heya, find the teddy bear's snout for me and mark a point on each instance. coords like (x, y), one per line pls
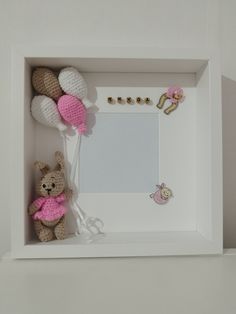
(48, 187)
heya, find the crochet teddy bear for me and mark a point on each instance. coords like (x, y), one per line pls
(48, 211)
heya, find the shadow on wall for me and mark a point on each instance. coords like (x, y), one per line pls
(229, 160)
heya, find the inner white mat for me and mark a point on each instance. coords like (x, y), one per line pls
(121, 155)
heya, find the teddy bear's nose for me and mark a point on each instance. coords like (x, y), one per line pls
(48, 191)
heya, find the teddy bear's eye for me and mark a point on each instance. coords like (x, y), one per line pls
(53, 185)
(44, 185)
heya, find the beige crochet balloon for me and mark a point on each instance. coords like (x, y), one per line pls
(46, 83)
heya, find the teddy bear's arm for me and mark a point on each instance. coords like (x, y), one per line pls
(64, 196)
(32, 209)
(61, 198)
(68, 194)
(36, 205)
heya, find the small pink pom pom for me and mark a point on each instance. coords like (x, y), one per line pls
(73, 111)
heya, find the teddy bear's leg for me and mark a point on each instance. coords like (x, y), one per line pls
(44, 234)
(60, 229)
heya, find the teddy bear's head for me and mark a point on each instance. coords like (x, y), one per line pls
(52, 182)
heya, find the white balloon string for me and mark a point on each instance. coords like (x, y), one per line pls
(75, 161)
(92, 225)
(71, 201)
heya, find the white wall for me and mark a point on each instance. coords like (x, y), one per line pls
(169, 23)
(228, 53)
(228, 38)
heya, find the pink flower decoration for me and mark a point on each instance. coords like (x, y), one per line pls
(175, 94)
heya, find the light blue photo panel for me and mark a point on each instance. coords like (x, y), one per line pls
(121, 154)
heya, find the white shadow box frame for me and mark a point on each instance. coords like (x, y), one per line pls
(188, 153)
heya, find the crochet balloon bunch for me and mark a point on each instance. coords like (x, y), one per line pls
(61, 100)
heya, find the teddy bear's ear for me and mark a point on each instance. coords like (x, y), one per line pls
(60, 161)
(44, 168)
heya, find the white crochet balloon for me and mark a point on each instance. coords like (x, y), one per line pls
(45, 111)
(73, 83)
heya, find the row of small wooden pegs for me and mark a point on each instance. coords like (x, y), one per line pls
(129, 100)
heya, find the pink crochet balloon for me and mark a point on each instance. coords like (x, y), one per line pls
(73, 111)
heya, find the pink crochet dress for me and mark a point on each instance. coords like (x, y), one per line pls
(50, 206)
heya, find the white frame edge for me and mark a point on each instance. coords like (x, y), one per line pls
(19, 249)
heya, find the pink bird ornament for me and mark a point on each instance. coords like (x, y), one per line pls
(162, 195)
